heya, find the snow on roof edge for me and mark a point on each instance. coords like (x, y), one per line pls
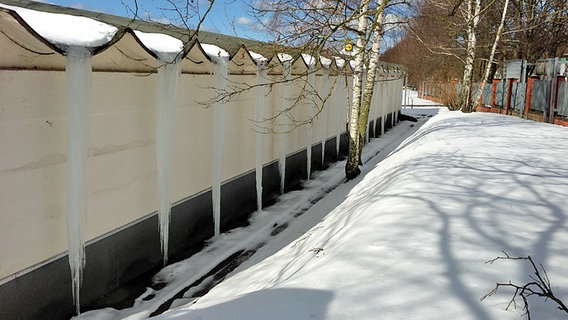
(166, 47)
(102, 35)
(259, 59)
(66, 31)
(215, 52)
(284, 57)
(309, 60)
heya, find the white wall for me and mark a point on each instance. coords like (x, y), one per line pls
(121, 182)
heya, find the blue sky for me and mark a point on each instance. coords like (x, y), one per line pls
(227, 16)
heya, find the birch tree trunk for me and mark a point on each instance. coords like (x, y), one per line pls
(377, 29)
(492, 54)
(472, 14)
(352, 166)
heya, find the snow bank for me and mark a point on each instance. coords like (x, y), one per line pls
(180, 275)
(410, 240)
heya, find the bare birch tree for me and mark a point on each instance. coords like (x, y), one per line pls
(492, 54)
(363, 95)
(355, 140)
(377, 31)
(530, 30)
(473, 9)
(318, 28)
(537, 29)
(453, 35)
(322, 28)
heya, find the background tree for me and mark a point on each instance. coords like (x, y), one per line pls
(428, 50)
(488, 68)
(376, 33)
(471, 15)
(353, 159)
(438, 38)
(538, 29)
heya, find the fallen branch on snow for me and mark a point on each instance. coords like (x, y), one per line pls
(540, 287)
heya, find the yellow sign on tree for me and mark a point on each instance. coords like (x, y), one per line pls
(349, 47)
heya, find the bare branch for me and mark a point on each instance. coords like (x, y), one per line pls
(540, 287)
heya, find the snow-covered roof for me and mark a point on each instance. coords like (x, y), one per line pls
(284, 57)
(326, 62)
(65, 30)
(309, 60)
(215, 52)
(164, 46)
(258, 58)
(35, 35)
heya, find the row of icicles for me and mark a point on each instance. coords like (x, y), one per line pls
(79, 81)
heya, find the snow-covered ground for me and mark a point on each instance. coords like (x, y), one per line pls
(408, 239)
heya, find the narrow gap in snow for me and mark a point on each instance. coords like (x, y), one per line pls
(201, 286)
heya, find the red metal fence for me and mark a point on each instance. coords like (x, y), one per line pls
(536, 98)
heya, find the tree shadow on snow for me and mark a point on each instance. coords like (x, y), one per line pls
(497, 199)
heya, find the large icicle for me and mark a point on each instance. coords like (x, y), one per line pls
(283, 136)
(259, 115)
(311, 111)
(79, 101)
(169, 52)
(220, 72)
(325, 114)
(168, 73)
(340, 91)
(77, 37)
(383, 103)
(375, 104)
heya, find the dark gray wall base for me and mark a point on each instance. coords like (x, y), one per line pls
(371, 129)
(344, 146)
(295, 171)
(123, 262)
(330, 152)
(388, 121)
(378, 126)
(25, 297)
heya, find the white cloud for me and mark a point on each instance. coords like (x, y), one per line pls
(244, 21)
